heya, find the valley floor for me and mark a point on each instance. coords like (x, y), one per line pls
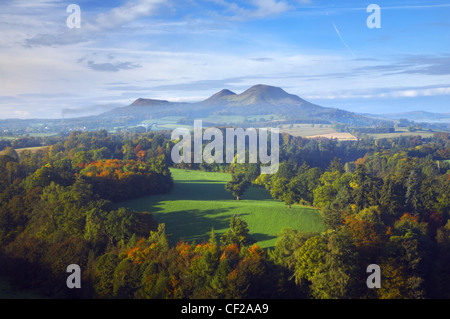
(199, 203)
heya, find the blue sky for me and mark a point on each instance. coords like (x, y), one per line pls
(187, 50)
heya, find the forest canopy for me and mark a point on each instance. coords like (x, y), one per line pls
(384, 202)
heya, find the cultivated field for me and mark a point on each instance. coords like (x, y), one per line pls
(199, 202)
(315, 130)
(31, 149)
(398, 133)
(336, 135)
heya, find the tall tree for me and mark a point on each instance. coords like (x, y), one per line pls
(413, 193)
(238, 185)
(337, 278)
(238, 233)
(336, 166)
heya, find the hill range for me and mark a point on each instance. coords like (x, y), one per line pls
(259, 100)
(260, 105)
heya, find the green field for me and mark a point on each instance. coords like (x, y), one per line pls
(199, 202)
(402, 131)
(171, 122)
(224, 119)
(7, 138)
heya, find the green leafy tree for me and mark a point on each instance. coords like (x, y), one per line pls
(365, 188)
(332, 188)
(43, 177)
(103, 282)
(443, 197)
(214, 243)
(333, 217)
(287, 247)
(238, 185)
(290, 192)
(391, 197)
(238, 233)
(101, 154)
(80, 158)
(126, 279)
(409, 248)
(412, 196)
(11, 153)
(336, 166)
(310, 258)
(279, 188)
(338, 276)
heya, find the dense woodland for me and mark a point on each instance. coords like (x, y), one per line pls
(384, 202)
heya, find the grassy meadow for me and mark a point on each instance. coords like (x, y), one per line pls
(199, 202)
(402, 131)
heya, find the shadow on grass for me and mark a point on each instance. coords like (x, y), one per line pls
(195, 225)
(198, 191)
(207, 190)
(259, 237)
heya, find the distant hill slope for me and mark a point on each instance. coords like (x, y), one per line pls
(260, 105)
(257, 100)
(419, 116)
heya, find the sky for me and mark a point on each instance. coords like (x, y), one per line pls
(187, 50)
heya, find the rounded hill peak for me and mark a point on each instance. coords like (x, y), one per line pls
(219, 97)
(268, 93)
(224, 92)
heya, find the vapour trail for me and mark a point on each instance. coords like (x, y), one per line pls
(342, 39)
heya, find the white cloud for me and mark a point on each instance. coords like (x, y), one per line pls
(256, 9)
(383, 93)
(422, 92)
(269, 8)
(41, 4)
(58, 34)
(126, 13)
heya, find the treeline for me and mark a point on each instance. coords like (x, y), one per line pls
(320, 152)
(151, 268)
(118, 180)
